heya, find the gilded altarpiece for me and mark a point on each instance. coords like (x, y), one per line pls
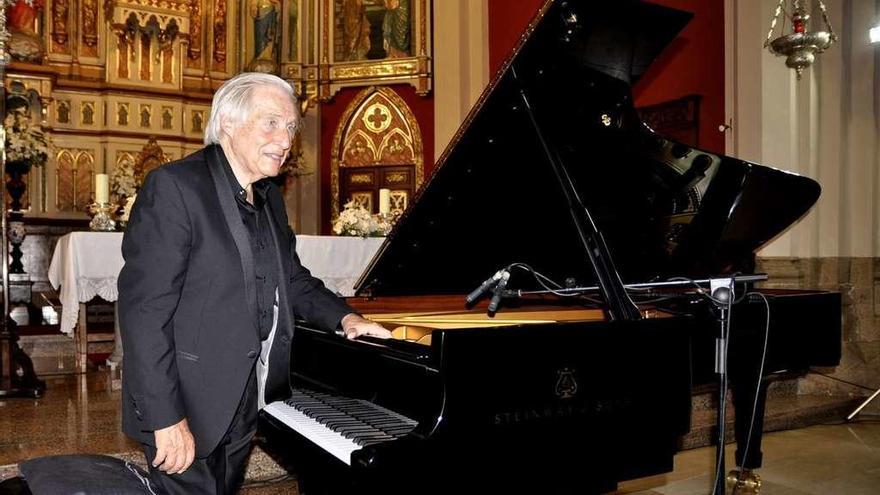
(115, 72)
(377, 145)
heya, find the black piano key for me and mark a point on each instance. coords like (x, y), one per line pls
(361, 421)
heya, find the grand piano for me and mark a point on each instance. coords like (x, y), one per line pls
(567, 393)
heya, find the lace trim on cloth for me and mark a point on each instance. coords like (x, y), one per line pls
(86, 290)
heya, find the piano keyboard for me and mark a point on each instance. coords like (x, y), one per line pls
(339, 425)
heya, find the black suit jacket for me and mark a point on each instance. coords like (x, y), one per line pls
(187, 302)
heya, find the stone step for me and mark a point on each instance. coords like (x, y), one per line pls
(783, 412)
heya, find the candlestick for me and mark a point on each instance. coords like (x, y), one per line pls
(102, 188)
(384, 201)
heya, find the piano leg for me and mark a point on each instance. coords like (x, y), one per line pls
(749, 392)
(747, 386)
(748, 448)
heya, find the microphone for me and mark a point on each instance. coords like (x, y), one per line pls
(479, 291)
(497, 292)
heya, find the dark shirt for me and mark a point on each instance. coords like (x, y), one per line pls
(256, 221)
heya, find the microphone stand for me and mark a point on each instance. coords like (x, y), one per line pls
(722, 297)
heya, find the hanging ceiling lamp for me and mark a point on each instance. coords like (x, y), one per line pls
(801, 46)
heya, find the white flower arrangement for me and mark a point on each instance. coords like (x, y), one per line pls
(25, 141)
(356, 221)
(123, 181)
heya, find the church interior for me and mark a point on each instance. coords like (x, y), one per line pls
(390, 92)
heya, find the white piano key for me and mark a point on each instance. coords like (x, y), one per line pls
(332, 442)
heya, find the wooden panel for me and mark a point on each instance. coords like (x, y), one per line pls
(678, 120)
(362, 184)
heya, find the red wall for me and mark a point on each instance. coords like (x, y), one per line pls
(692, 64)
(331, 113)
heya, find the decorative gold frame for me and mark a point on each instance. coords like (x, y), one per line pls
(150, 157)
(342, 126)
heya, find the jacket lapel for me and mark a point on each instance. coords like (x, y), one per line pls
(279, 357)
(236, 227)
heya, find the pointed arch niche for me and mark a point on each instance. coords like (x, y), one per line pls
(377, 144)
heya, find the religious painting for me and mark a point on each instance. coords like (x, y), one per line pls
(372, 29)
(292, 30)
(367, 42)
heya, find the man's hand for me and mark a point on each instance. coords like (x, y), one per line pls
(354, 326)
(175, 448)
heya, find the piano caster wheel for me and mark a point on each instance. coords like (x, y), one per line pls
(745, 482)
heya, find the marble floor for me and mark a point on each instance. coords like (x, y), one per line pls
(79, 413)
(836, 459)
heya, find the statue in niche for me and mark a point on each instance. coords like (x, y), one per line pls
(25, 43)
(266, 15)
(63, 112)
(197, 122)
(167, 118)
(145, 117)
(122, 115)
(88, 114)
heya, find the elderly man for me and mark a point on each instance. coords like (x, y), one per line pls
(209, 290)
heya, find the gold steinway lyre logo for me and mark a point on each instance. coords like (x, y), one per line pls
(566, 384)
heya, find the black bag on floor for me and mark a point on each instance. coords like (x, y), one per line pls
(86, 475)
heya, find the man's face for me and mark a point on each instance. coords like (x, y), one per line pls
(260, 143)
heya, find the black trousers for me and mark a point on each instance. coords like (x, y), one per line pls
(222, 471)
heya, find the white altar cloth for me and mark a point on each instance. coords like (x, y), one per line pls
(87, 264)
(337, 261)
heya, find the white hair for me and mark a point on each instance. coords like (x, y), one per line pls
(233, 100)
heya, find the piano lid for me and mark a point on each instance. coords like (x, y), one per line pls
(665, 209)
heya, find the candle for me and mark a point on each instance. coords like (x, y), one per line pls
(384, 201)
(102, 188)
